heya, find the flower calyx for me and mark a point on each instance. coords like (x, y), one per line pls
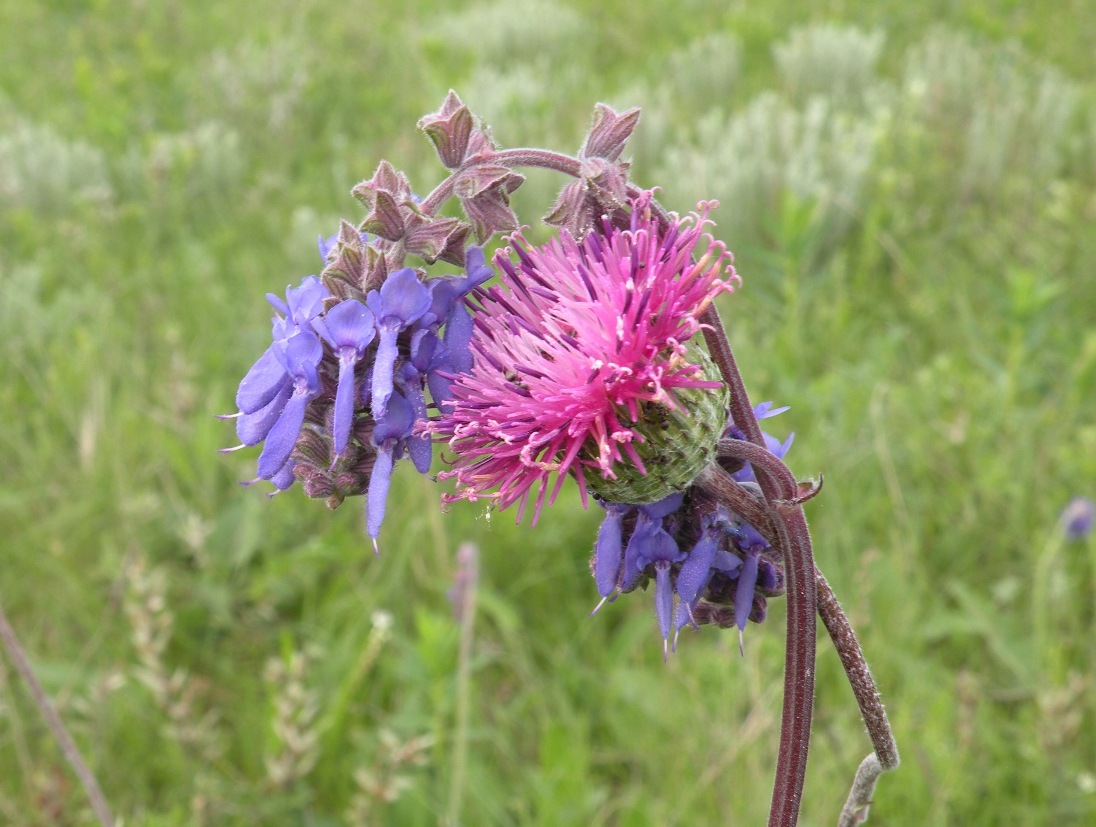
(394, 217)
(484, 191)
(455, 132)
(602, 186)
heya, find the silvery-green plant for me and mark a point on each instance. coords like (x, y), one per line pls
(754, 157)
(43, 171)
(837, 62)
(1015, 119)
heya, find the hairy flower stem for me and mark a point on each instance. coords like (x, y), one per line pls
(837, 625)
(49, 714)
(852, 658)
(795, 543)
(511, 158)
(885, 757)
(789, 530)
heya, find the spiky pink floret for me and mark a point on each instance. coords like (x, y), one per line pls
(568, 346)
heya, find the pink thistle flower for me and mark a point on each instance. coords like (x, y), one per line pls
(582, 344)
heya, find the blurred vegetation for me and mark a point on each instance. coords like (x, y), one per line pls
(910, 190)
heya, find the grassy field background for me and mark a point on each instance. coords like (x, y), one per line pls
(910, 190)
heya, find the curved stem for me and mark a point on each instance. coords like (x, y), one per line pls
(543, 158)
(524, 157)
(717, 483)
(795, 544)
(759, 456)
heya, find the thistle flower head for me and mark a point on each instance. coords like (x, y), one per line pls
(583, 365)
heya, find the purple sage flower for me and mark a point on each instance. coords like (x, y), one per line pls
(720, 573)
(1078, 517)
(348, 327)
(401, 301)
(300, 357)
(340, 395)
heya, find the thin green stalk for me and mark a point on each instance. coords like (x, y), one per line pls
(464, 605)
(53, 720)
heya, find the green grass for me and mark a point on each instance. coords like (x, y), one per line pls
(912, 221)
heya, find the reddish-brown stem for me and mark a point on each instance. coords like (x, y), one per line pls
(721, 486)
(512, 158)
(795, 543)
(760, 457)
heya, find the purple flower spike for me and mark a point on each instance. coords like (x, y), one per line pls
(400, 302)
(390, 430)
(303, 352)
(389, 345)
(349, 328)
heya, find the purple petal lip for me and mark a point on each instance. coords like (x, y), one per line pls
(262, 382)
